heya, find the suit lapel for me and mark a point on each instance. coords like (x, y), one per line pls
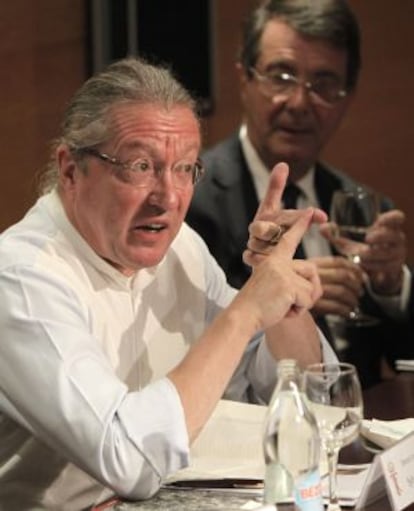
(237, 192)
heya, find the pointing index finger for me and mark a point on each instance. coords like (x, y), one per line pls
(270, 205)
(293, 236)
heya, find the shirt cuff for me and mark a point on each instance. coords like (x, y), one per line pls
(155, 422)
(263, 368)
(395, 306)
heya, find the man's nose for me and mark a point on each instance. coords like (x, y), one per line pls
(297, 96)
(164, 189)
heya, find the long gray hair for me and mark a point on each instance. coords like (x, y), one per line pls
(87, 123)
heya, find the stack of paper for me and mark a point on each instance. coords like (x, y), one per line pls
(386, 433)
(228, 456)
(404, 365)
(229, 446)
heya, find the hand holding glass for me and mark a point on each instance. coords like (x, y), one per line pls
(334, 395)
(353, 212)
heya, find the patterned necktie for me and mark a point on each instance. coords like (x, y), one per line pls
(289, 198)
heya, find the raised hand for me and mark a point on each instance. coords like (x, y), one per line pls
(342, 285)
(271, 221)
(386, 254)
(280, 286)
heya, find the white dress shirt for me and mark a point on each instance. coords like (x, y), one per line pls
(85, 407)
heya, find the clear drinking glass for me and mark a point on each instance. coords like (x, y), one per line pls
(353, 212)
(334, 395)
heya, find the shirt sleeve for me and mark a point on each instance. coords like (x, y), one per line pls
(396, 306)
(56, 382)
(255, 377)
(261, 369)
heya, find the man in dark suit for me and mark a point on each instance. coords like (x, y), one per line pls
(298, 69)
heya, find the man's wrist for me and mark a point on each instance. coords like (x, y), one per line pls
(395, 305)
(386, 286)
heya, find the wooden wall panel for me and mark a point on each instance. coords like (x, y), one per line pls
(226, 39)
(375, 141)
(43, 56)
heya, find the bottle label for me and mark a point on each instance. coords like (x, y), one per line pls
(308, 492)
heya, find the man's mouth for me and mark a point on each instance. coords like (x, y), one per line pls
(294, 130)
(151, 227)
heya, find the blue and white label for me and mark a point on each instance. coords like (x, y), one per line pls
(308, 492)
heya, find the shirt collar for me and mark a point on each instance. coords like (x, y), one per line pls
(260, 173)
(81, 245)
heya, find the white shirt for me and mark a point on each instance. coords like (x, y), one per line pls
(314, 244)
(84, 401)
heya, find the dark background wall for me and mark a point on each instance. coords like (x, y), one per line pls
(44, 59)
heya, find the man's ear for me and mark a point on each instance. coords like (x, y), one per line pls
(343, 106)
(241, 74)
(66, 165)
(349, 98)
(242, 78)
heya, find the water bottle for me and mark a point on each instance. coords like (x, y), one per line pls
(291, 445)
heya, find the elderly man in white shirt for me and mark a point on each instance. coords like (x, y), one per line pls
(119, 332)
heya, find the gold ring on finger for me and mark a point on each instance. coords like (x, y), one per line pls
(274, 240)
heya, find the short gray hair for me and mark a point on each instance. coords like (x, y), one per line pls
(329, 20)
(86, 121)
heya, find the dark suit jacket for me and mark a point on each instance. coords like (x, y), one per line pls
(223, 206)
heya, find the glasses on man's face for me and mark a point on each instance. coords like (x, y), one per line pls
(325, 90)
(143, 172)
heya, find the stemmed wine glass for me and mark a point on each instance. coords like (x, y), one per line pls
(353, 212)
(334, 395)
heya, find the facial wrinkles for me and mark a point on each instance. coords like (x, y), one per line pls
(306, 125)
(306, 55)
(162, 148)
(162, 134)
(167, 134)
(169, 141)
